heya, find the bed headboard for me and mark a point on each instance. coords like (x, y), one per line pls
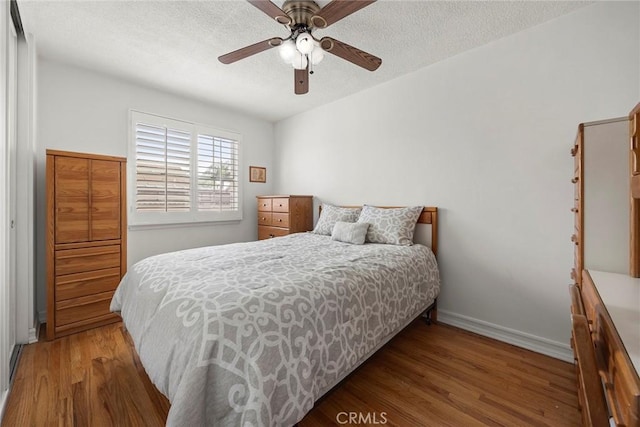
(424, 234)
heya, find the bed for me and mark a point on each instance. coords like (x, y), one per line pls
(254, 333)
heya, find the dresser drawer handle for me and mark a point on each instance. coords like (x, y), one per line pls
(264, 219)
(574, 180)
(574, 151)
(574, 239)
(574, 210)
(280, 220)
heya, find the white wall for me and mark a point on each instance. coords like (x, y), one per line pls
(85, 111)
(485, 136)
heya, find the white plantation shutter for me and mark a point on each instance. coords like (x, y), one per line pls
(217, 174)
(182, 172)
(163, 164)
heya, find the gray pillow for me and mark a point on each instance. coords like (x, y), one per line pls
(390, 225)
(350, 232)
(332, 214)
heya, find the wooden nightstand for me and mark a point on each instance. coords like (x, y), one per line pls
(282, 215)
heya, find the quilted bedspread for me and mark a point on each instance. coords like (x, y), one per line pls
(251, 334)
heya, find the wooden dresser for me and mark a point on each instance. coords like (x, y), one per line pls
(282, 215)
(605, 298)
(86, 239)
(612, 308)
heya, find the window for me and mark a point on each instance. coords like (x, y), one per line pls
(181, 172)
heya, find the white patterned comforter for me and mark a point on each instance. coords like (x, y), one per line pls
(251, 334)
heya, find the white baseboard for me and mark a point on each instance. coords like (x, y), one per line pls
(531, 342)
(3, 402)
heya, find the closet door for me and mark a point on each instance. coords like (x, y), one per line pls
(8, 104)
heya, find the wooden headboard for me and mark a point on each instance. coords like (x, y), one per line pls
(429, 216)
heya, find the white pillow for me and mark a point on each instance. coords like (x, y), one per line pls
(332, 214)
(390, 225)
(350, 232)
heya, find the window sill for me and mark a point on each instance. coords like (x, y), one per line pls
(141, 227)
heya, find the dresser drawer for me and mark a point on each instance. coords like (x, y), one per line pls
(79, 309)
(265, 232)
(264, 205)
(86, 283)
(280, 220)
(70, 261)
(280, 205)
(622, 386)
(265, 218)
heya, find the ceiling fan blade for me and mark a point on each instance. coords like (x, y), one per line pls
(272, 10)
(350, 53)
(246, 51)
(336, 10)
(301, 81)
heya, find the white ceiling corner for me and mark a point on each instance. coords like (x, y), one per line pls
(183, 39)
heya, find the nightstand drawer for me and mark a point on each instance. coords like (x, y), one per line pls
(280, 205)
(264, 205)
(265, 218)
(280, 220)
(265, 232)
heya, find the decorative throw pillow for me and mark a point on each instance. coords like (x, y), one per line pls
(350, 232)
(390, 225)
(332, 214)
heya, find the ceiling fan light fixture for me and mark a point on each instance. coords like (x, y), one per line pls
(316, 56)
(305, 43)
(287, 51)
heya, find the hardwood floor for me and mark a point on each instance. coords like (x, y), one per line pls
(427, 376)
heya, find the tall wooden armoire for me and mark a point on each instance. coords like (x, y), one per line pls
(86, 239)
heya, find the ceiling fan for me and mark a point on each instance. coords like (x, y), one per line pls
(301, 48)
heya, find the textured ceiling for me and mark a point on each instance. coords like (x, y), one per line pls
(174, 45)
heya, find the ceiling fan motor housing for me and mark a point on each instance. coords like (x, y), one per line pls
(301, 12)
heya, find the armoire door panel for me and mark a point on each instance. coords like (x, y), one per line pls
(72, 199)
(105, 200)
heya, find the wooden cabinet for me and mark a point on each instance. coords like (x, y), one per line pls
(611, 307)
(86, 239)
(282, 215)
(606, 256)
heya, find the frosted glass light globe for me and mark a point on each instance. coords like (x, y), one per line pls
(287, 51)
(317, 55)
(299, 62)
(305, 43)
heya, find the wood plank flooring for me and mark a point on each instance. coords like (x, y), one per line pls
(427, 376)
